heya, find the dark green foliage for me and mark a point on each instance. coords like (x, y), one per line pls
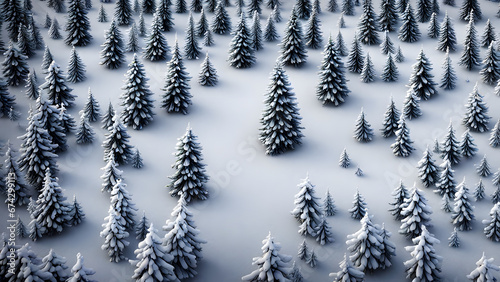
(112, 53)
(388, 17)
(409, 31)
(123, 12)
(14, 67)
(293, 50)
(390, 72)
(449, 78)
(470, 55)
(78, 25)
(356, 58)
(32, 90)
(164, 14)
(156, 45)
(76, 68)
(222, 21)
(55, 86)
(468, 8)
(176, 97)
(25, 42)
(424, 10)
(368, 25)
(421, 79)
(476, 114)
(191, 48)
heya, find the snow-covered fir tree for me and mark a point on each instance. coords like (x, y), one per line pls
(433, 28)
(48, 21)
(411, 105)
(479, 191)
(142, 227)
(191, 48)
(241, 50)
(490, 72)
(122, 204)
(76, 213)
(15, 69)
(78, 25)
(76, 68)
(110, 175)
(402, 146)
(400, 194)
(180, 6)
(399, 57)
(333, 6)
(495, 197)
(348, 7)
(492, 229)
(358, 209)
(388, 17)
(196, 6)
(307, 208)
(59, 6)
(271, 266)
(467, 146)
(123, 12)
(202, 26)
(391, 120)
(34, 30)
(208, 39)
(26, 266)
(13, 14)
(470, 9)
(495, 135)
(256, 32)
(281, 129)
(208, 74)
(50, 119)
(113, 53)
(463, 212)
(454, 240)
(332, 86)
(107, 117)
(20, 229)
(25, 42)
(55, 265)
(312, 260)
(79, 272)
(449, 77)
(366, 246)
(176, 97)
(292, 46)
(368, 72)
(66, 120)
(59, 93)
(32, 90)
(424, 10)
(470, 57)
(340, 45)
(148, 7)
(114, 235)
(303, 8)
(156, 48)
(102, 15)
(483, 169)
(14, 179)
(221, 23)
(137, 159)
(46, 59)
(428, 172)
(55, 30)
(348, 272)
(270, 31)
(303, 252)
(133, 39)
(164, 14)
(136, 99)
(425, 264)
(91, 108)
(344, 160)
(387, 46)
(363, 131)
(341, 21)
(7, 101)
(421, 79)
(388, 248)
(356, 57)
(390, 72)
(446, 184)
(435, 7)
(295, 275)
(313, 36)
(489, 35)
(152, 259)
(329, 207)
(415, 214)
(368, 25)
(409, 30)
(116, 143)
(84, 133)
(484, 270)
(190, 176)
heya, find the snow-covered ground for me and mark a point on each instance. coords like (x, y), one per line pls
(252, 193)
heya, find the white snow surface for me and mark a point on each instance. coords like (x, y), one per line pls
(252, 194)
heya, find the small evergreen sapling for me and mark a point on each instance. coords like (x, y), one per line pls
(391, 120)
(387, 46)
(415, 214)
(312, 260)
(355, 58)
(221, 23)
(191, 48)
(495, 135)
(425, 264)
(112, 53)
(348, 272)
(400, 194)
(102, 16)
(344, 161)
(84, 133)
(454, 240)
(358, 209)
(133, 39)
(303, 252)
(329, 208)
(409, 31)
(479, 191)
(484, 269)
(307, 209)
(470, 57)
(402, 146)
(467, 147)
(463, 212)
(433, 28)
(399, 57)
(366, 246)
(107, 117)
(241, 50)
(483, 169)
(208, 39)
(295, 275)
(340, 45)
(489, 35)
(77, 215)
(208, 74)
(450, 150)
(490, 72)
(492, 229)
(176, 97)
(341, 21)
(55, 30)
(495, 197)
(142, 227)
(449, 77)
(143, 30)
(390, 72)
(411, 105)
(368, 72)
(48, 21)
(363, 131)
(427, 169)
(91, 108)
(76, 68)
(324, 233)
(137, 159)
(79, 272)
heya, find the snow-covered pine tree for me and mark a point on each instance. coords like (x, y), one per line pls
(107, 117)
(116, 144)
(433, 28)
(391, 120)
(307, 208)
(91, 108)
(470, 8)
(449, 77)
(332, 86)
(272, 266)
(281, 130)
(483, 169)
(196, 6)
(489, 35)
(421, 79)
(387, 46)
(26, 267)
(348, 272)
(15, 180)
(390, 72)
(363, 131)
(76, 68)
(368, 25)
(14, 67)
(136, 98)
(50, 119)
(32, 90)
(25, 42)
(110, 175)
(221, 23)
(176, 97)
(496, 182)
(388, 248)
(241, 50)
(114, 235)
(191, 48)
(293, 50)
(123, 12)
(400, 194)
(113, 53)
(348, 7)
(358, 209)
(133, 39)
(164, 14)
(454, 240)
(303, 252)
(48, 21)
(182, 241)
(137, 159)
(13, 14)
(368, 72)
(58, 5)
(7, 101)
(340, 45)
(208, 74)
(20, 229)
(152, 259)
(312, 260)
(67, 122)
(79, 272)
(76, 214)
(51, 212)
(303, 8)
(463, 212)
(55, 265)
(435, 7)
(102, 16)
(446, 184)
(333, 6)
(156, 48)
(402, 146)
(467, 146)
(428, 172)
(490, 72)
(142, 227)
(479, 191)
(148, 6)
(56, 87)
(34, 30)
(366, 246)
(484, 269)
(495, 135)
(344, 160)
(313, 36)
(424, 10)
(470, 57)
(450, 147)
(78, 25)
(208, 39)
(329, 207)
(46, 59)
(190, 175)
(415, 214)
(399, 57)
(202, 26)
(122, 204)
(254, 6)
(84, 133)
(492, 229)
(295, 275)
(388, 17)
(409, 31)
(425, 264)
(411, 105)
(180, 6)
(355, 58)
(55, 30)
(256, 32)
(341, 21)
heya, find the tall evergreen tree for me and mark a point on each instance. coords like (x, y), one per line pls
(14, 67)
(281, 130)
(470, 8)
(122, 204)
(208, 74)
(116, 145)
(495, 135)
(176, 96)
(388, 17)
(332, 86)
(446, 184)
(136, 98)
(424, 10)
(483, 169)
(113, 53)
(164, 14)
(25, 42)
(411, 105)
(490, 72)
(270, 32)
(133, 39)
(402, 146)
(433, 28)
(358, 209)
(123, 12)
(476, 116)
(14, 15)
(32, 90)
(427, 169)
(400, 194)
(463, 211)
(156, 45)
(56, 87)
(363, 131)
(425, 264)
(78, 25)
(489, 34)
(7, 101)
(221, 23)
(241, 50)
(415, 214)
(492, 229)
(368, 25)
(368, 72)
(14, 180)
(366, 245)
(293, 50)
(479, 191)
(191, 48)
(421, 79)
(111, 175)
(46, 59)
(307, 208)
(387, 46)
(356, 57)
(470, 55)
(449, 77)
(409, 31)
(55, 30)
(114, 235)
(50, 119)
(390, 72)
(76, 68)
